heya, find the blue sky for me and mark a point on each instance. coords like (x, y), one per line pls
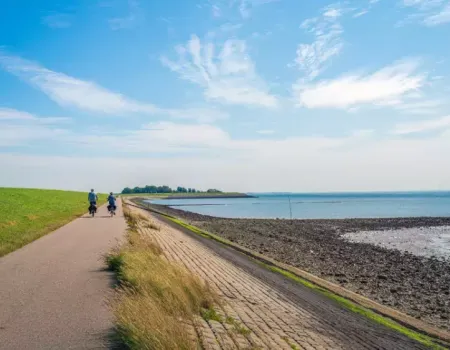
(247, 95)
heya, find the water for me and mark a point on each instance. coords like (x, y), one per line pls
(321, 205)
(424, 241)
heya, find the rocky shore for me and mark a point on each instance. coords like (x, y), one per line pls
(418, 286)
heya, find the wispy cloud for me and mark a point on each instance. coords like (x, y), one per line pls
(201, 115)
(227, 76)
(440, 17)
(422, 125)
(57, 20)
(130, 20)
(392, 85)
(158, 137)
(242, 8)
(420, 107)
(313, 58)
(361, 13)
(72, 92)
(266, 132)
(14, 115)
(428, 12)
(18, 128)
(245, 6)
(68, 91)
(365, 9)
(21, 135)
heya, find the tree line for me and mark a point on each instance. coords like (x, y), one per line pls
(165, 189)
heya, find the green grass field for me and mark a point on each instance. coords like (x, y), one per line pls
(27, 214)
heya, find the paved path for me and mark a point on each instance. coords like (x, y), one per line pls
(290, 317)
(53, 291)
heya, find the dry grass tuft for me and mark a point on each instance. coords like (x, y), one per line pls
(152, 226)
(143, 324)
(157, 298)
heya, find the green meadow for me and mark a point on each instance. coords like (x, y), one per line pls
(28, 214)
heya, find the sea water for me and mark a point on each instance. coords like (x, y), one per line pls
(320, 205)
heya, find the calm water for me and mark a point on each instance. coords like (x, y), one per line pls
(321, 206)
(425, 241)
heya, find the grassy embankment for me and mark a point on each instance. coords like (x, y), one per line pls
(428, 341)
(27, 214)
(157, 302)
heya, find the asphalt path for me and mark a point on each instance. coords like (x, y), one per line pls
(54, 291)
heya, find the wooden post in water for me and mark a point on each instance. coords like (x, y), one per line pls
(290, 206)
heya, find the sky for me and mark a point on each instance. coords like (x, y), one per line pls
(241, 95)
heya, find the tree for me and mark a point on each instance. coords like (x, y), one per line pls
(164, 189)
(126, 190)
(213, 190)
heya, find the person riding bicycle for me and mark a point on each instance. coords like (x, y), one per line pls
(112, 202)
(92, 197)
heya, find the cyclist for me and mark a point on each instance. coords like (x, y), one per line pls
(92, 197)
(112, 202)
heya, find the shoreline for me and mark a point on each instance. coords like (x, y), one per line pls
(416, 285)
(169, 196)
(213, 196)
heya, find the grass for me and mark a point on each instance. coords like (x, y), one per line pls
(211, 315)
(292, 346)
(387, 322)
(237, 326)
(28, 214)
(158, 301)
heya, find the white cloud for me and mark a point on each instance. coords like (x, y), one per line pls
(360, 13)
(392, 85)
(441, 124)
(429, 12)
(57, 20)
(313, 58)
(419, 107)
(13, 115)
(19, 128)
(440, 17)
(72, 92)
(20, 135)
(414, 164)
(228, 76)
(159, 137)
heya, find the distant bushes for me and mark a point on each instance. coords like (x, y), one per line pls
(165, 189)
